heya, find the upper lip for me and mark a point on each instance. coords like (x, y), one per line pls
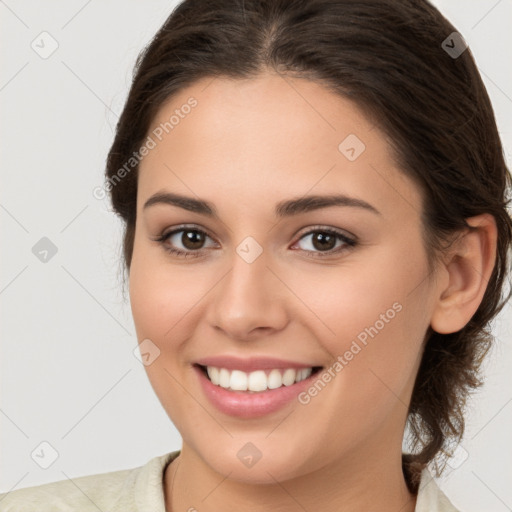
(251, 364)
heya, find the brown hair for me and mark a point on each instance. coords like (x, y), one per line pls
(387, 57)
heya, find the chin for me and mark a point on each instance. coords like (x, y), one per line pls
(237, 463)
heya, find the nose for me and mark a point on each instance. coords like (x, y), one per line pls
(250, 300)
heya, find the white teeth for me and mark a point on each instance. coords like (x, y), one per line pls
(289, 376)
(258, 380)
(224, 378)
(238, 381)
(274, 379)
(213, 373)
(306, 372)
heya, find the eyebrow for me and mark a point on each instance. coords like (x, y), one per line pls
(286, 208)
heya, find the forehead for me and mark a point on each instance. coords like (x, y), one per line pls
(267, 137)
(270, 105)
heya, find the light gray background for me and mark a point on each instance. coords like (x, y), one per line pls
(68, 373)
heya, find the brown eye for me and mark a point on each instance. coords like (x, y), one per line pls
(188, 242)
(323, 241)
(192, 239)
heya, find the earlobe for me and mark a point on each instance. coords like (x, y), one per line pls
(469, 268)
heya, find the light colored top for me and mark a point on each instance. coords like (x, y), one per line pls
(141, 490)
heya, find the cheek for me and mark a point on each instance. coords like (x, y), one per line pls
(160, 294)
(376, 347)
(371, 291)
(160, 299)
(374, 316)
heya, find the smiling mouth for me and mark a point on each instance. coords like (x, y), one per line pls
(256, 381)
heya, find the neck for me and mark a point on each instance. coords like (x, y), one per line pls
(357, 482)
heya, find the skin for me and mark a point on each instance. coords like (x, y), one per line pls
(246, 146)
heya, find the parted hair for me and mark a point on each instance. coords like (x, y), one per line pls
(390, 58)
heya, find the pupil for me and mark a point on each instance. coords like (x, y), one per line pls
(323, 241)
(192, 239)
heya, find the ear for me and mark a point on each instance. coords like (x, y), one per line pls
(467, 271)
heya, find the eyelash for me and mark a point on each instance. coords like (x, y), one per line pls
(350, 243)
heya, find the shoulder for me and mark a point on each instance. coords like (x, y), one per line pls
(430, 497)
(114, 491)
(82, 493)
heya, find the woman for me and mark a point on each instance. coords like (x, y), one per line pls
(314, 195)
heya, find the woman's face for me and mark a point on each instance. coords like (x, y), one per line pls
(273, 281)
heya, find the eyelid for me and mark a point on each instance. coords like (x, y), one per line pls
(185, 227)
(349, 240)
(307, 230)
(321, 227)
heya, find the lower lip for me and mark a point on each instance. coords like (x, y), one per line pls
(251, 405)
